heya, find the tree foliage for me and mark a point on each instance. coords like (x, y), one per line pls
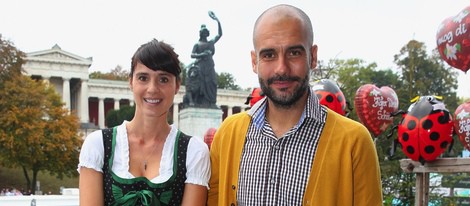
(11, 60)
(425, 75)
(36, 132)
(226, 81)
(116, 117)
(117, 73)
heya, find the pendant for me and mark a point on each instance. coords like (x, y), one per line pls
(145, 165)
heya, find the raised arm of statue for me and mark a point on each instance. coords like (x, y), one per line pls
(219, 34)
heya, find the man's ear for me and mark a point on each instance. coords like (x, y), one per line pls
(314, 58)
(254, 62)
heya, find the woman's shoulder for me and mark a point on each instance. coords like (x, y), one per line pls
(197, 146)
(94, 138)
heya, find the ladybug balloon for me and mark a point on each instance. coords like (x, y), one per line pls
(462, 124)
(426, 129)
(255, 96)
(453, 40)
(330, 95)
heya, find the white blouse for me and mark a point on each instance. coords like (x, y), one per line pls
(197, 157)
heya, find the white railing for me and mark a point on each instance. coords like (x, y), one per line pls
(69, 198)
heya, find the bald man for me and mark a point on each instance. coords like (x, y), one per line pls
(288, 149)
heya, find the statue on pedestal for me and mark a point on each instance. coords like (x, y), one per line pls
(201, 82)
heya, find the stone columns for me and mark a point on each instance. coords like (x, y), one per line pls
(101, 112)
(116, 104)
(229, 110)
(84, 116)
(66, 92)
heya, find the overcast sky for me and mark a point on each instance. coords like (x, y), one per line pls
(111, 30)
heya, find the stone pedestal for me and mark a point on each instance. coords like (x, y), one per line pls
(196, 121)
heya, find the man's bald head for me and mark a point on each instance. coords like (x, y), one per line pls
(285, 11)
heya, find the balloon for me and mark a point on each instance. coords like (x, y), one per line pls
(453, 40)
(374, 107)
(209, 136)
(426, 129)
(255, 96)
(462, 124)
(330, 95)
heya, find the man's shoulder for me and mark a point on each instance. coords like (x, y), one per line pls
(343, 122)
(237, 118)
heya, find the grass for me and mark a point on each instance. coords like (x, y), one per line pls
(13, 177)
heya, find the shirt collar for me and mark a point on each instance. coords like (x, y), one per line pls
(312, 110)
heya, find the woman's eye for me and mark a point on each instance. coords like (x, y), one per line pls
(142, 78)
(164, 79)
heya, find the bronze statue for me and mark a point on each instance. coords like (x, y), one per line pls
(201, 85)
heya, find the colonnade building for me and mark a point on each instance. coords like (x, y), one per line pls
(91, 99)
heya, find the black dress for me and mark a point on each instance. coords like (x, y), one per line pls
(139, 190)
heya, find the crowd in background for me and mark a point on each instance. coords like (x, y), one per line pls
(13, 192)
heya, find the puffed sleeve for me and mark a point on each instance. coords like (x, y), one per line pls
(92, 152)
(198, 163)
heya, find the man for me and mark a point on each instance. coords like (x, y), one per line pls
(288, 149)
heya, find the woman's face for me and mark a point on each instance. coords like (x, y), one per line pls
(154, 91)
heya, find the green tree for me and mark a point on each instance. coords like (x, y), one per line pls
(11, 60)
(118, 73)
(36, 132)
(183, 74)
(116, 117)
(425, 75)
(226, 81)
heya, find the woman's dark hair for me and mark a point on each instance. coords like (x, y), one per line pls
(157, 56)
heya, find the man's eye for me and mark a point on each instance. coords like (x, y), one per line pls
(295, 53)
(267, 55)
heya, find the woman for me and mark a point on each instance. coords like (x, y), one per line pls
(146, 161)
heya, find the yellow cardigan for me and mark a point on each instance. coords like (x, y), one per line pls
(345, 170)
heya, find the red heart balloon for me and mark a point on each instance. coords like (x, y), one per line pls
(453, 40)
(462, 124)
(374, 106)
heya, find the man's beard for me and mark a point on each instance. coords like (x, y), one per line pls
(285, 100)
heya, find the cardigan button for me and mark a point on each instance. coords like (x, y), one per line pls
(233, 204)
(233, 187)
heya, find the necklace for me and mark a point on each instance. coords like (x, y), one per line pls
(148, 156)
